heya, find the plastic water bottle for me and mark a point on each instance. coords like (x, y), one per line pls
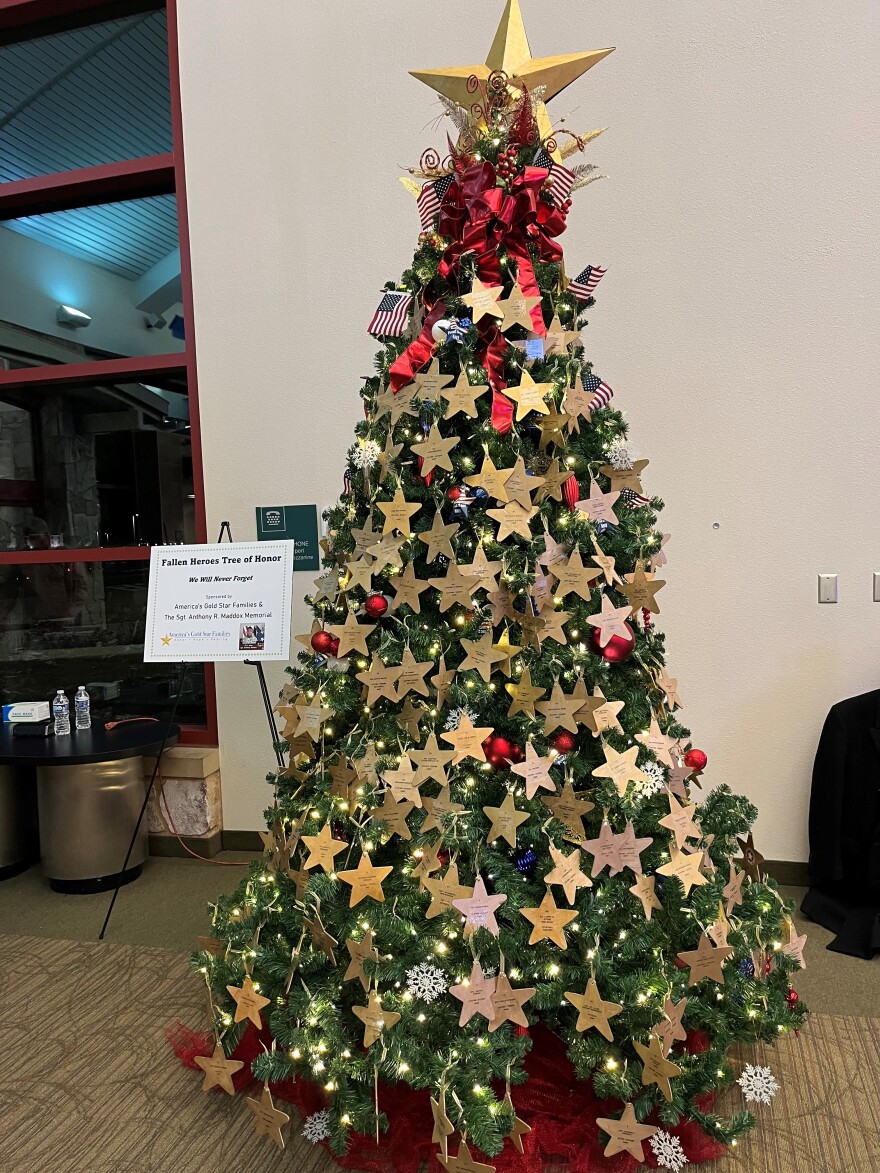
(83, 708)
(61, 712)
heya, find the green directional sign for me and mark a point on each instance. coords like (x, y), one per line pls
(296, 523)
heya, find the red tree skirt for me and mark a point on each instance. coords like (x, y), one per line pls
(561, 1111)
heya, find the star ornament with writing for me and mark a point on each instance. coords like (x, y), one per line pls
(607, 565)
(432, 761)
(548, 922)
(394, 815)
(529, 396)
(507, 1004)
(559, 710)
(655, 1067)
(621, 768)
(569, 808)
(443, 1126)
(492, 479)
(438, 538)
(408, 589)
(430, 384)
(517, 309)
(484, 571)
(575, 578)
(732, 892)
(671, 1030)
(752, 861)
(558, 338)
(657, 742)
(483, 300)
(641, 591)
(395, 405)
(794, 947)
(398, 512)
(375, 1019)
(567, 873)
(610, 621)
(513, 519)
(359, 952)
(593, 1012)
(218, 1070)
(680, 821)
(626, 1134)
(535, 771)
(523, 695)
(440, 808)
(352, 635)
(366, 881)
(644, 889)
(481, 656)
(599, 714)
(599, 506)
(411, 677)
(323, 849)
(267, 1118)
(686, 868)
(625, 478)
(443, 892)
(455, 587)
(441, 681)
(520, 485)
(505, 819)
(462, 397)
(467, 740)
(434, 451)
(248, 1002)
(475, 994)
(381, 680)
(479, 909)
(510, 53)
(706, 961)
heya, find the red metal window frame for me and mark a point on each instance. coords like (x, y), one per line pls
(129, 179)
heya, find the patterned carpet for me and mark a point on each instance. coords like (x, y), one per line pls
(88, 1084)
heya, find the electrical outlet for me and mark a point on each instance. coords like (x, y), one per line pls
(828, 588)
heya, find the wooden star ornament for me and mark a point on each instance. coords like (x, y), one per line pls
(529, 396)
(465, 1162)
(535, 771)
(359, 952)
(626, 1135)
(218, 1070)
(475, 994)
(483, 300)
(567, 873)
(434, 452)
(398, 512)
(375, 1019)
(706, 961)
(268, 1119)
(479, 909)
(644, 889)
(507, 1004)
(248, 1002)
(504, 819)
(467, 740)
(655, 1067)
(352, 635)
(548, 922)
(366, 881)
(593, 1012)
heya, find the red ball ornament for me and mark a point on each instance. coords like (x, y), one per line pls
(792, 999)
(322, 642)
(518, 755)
(454, 493)
(695, 759)
(500, 747)
(334, 648)
(617, 648)
(376, 606)
(563, 742)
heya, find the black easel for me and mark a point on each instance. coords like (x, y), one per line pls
(261, 676)
(184, 668)
(225, 528)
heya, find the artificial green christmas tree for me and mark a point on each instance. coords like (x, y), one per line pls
(486, 831)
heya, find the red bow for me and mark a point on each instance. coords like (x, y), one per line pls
(480, 217)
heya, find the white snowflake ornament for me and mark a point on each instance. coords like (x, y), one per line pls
(427, 982)
(668, 1151)
(454, 719)
(366, 454)
(758, 1084)
(620, 455)
(317, 1126)
(655, 782)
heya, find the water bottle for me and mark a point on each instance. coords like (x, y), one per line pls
(61, 712)
(83, 708)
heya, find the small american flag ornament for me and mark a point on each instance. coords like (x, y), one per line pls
(390, 318)
(601, 392)
(583, 285)
(561, 179)
(430, 198)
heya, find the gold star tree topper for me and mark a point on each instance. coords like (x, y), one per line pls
(510, 52)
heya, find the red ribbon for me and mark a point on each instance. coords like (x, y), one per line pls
(480, 217)
(502, 413)
(571, 492)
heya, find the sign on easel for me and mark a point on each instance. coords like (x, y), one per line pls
(216, 603)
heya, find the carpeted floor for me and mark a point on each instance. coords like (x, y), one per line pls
(88, 1084)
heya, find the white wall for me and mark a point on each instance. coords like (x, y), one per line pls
(737, 322)
(36, 278)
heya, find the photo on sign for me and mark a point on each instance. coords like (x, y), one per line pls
(251, 638)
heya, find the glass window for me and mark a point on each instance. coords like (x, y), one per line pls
(63, 624)
(83, 97)
(117, 264)
(95, 465)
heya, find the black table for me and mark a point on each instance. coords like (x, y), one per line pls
(90, 789)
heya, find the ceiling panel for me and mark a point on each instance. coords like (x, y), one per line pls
(126, 238)
(92, 95)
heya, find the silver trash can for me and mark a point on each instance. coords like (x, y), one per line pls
(87, 816)
(18, 820)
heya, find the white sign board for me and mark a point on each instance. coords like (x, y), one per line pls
(214, 603)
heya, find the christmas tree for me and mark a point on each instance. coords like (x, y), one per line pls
(485, 840)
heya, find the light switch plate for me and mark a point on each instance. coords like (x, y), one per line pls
(877, 586)
(828, 588)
